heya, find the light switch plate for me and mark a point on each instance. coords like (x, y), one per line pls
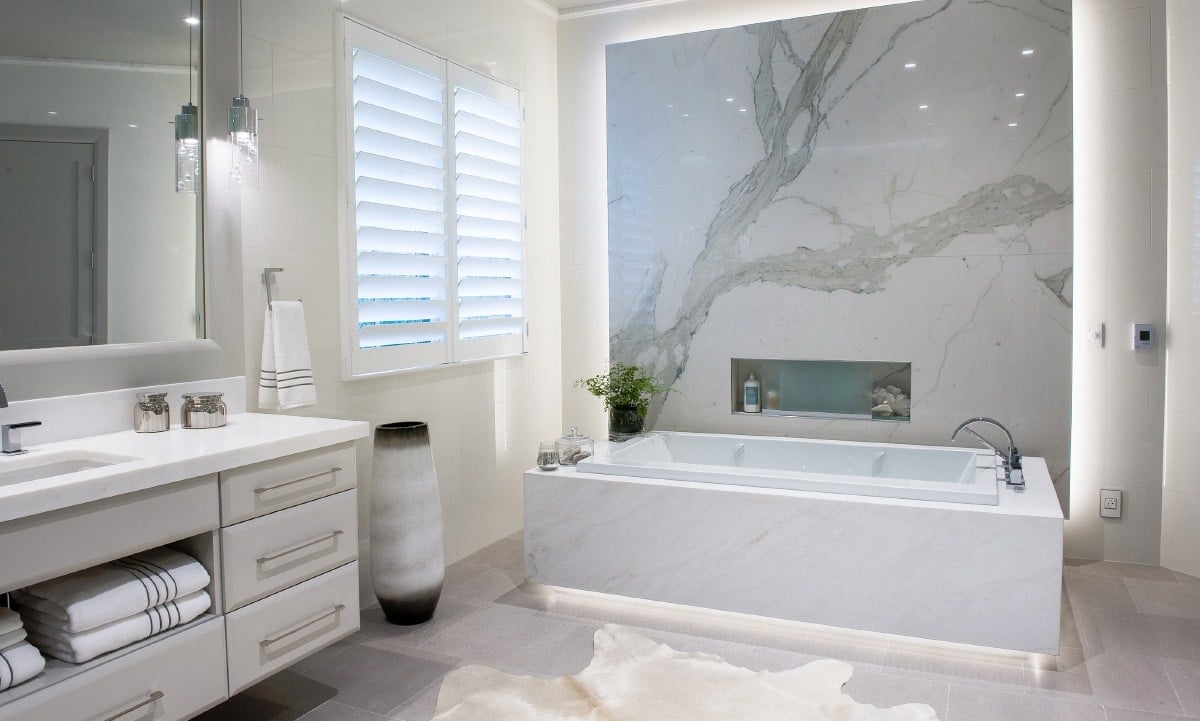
(1095, 335)
(1143, 336)
(1110, 503)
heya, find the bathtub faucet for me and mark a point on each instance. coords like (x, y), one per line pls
(1010, 458)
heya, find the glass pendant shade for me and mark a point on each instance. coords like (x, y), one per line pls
(243, 138)
(187, 149)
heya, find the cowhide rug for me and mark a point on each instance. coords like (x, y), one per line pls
(632, 678)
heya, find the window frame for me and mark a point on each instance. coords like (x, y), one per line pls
(357, 362)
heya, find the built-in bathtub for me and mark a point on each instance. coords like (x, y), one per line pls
(924, 473)
(701, 520)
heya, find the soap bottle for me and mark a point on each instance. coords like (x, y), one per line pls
(751, 403)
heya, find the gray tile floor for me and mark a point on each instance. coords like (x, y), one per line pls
(1131, 652)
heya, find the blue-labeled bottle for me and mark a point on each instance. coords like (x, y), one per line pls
(751, 395)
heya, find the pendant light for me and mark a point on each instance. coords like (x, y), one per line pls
(243, 126)
(187, 133)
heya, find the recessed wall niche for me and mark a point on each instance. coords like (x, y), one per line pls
(853, 390)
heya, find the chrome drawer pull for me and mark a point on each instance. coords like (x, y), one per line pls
(285, 484)
(303, 625)
(141, 704)
(299, 546)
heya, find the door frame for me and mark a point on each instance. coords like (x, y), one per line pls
(98, 139)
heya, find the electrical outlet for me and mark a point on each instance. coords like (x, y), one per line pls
(1110, 503)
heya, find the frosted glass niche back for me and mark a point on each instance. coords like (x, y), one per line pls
(891, 182)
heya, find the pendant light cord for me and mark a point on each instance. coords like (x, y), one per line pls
(191, 30)
(241, 61)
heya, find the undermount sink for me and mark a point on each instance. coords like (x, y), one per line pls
(34, 466)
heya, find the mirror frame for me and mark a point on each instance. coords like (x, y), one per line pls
(45, 372)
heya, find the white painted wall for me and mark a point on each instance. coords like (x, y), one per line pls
(1120, 253)
(151, 228)
(1181, 481)
(485, 419)
(1120, 268)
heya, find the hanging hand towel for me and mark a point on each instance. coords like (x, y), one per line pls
(84, 646)
(287, 377)
(103, 594)
(9, 620)
(18, 664)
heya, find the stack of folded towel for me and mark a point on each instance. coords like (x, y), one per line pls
(82, 615)
(19, 661)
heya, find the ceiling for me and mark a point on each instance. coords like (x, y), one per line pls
(149, 32)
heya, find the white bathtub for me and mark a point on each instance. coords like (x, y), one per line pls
(885, 470)
(728, 523)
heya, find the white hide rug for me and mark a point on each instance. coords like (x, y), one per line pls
(632, 678)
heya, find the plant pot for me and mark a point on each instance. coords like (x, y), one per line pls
(624, 422)
(407, 558)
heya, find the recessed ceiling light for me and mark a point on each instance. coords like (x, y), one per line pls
(192, 20)
(1027, 51)
(51, 112)
(687, 115)
(133, 125)
(923, 107)
(909, 66)
(1012, 125)
(729, 100)
(1018, 95)
(742, 110)
(670, 107)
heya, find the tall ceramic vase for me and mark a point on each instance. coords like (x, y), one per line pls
(407, 558)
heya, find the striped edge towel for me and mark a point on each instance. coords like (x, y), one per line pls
(86, 645)
(102, 594)
(19, 664)
(286, 380)
(9, 621)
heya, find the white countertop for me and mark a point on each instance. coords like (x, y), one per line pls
(163, 458)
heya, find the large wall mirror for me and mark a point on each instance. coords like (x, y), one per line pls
(98, 245)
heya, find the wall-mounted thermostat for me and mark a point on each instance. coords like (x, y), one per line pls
(1143, 336)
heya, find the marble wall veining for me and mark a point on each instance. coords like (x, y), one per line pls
(890, 183)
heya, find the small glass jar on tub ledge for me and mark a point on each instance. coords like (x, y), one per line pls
(574, 447)
(203, 410)
(547, 457)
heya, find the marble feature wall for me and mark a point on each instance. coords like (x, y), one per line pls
(891, 182)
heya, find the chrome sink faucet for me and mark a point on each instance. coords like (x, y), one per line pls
(10, 433)
(1011, 458)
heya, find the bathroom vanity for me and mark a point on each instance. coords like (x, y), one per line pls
(268, 504)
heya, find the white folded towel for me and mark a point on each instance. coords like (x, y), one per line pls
(9, 620)
(12, 638)
(95, 596)
(287, 377)
(86, 645)
(19, 664)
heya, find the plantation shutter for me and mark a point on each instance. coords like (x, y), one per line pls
(432, 255)
(489, 222)
(399, 135)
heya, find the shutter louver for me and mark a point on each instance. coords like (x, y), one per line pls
(488, 223)
(400, 204)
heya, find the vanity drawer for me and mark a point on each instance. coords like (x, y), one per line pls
(268, 554)
(167, 680)
(279, 630)
(59, 542)
(261, 488)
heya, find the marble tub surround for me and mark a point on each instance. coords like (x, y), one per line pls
(970, 574)
(889, 182)
(163, 458)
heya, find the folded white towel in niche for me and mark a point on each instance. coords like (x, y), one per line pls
(19, 664)
(12, 638)
(95, 596)
(9, 620)
(287, 377)
(86, 645)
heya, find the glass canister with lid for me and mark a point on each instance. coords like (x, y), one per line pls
(574, 447)
(203, 410)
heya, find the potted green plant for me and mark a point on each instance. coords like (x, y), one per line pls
(626, 391)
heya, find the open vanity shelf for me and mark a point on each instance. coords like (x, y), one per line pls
(271, 513)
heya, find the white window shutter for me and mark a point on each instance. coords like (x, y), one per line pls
(488, 223)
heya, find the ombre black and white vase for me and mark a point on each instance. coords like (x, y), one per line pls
(407, 557)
